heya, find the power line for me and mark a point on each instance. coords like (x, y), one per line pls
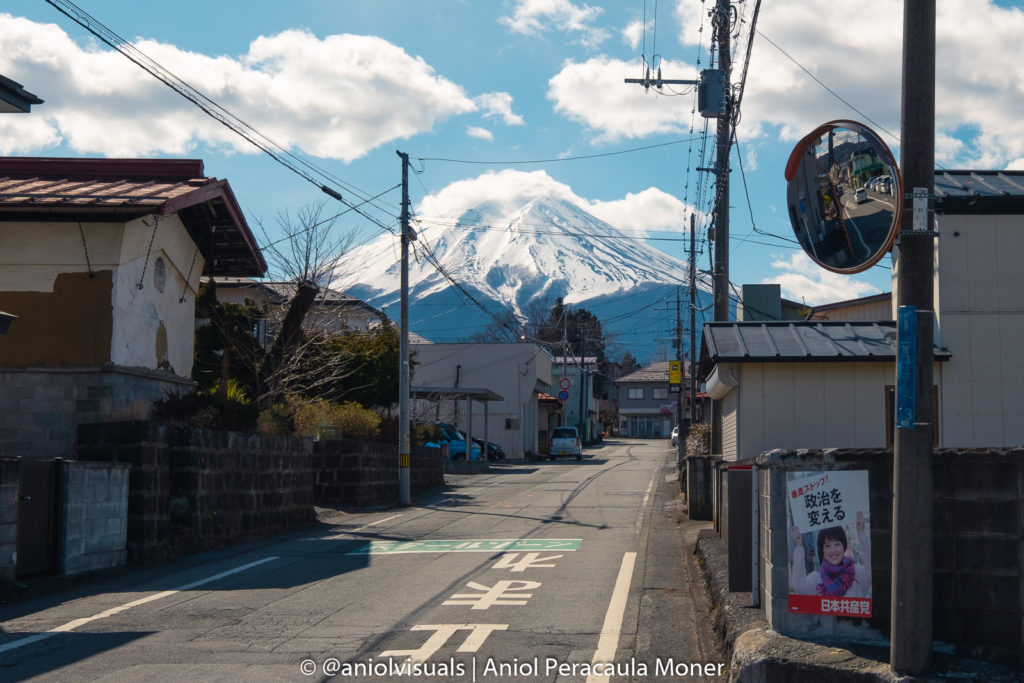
(550, 161)
(274, 150)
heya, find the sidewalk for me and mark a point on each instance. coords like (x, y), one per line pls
(757, 653)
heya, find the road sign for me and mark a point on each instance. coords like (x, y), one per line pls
(565, 383)
(563, 395)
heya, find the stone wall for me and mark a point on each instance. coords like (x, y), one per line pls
(40, 408)
(94, 529)
(365, 473)
(978, 532)
(193, 489)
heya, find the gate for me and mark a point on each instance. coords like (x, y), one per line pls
(38, 515)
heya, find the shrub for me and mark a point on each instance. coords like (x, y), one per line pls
(209, 410)
(320, 419)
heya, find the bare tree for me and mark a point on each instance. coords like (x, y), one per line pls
(306, 257)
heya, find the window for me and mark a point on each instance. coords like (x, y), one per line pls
(636, 394)
(659, 392)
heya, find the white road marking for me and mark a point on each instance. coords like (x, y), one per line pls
(442, 632)
(608, 643)
(346, 534)
(75, 623)
(501, 593)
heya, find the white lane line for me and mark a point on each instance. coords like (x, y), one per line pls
(346, 534)
(608, 643)
(75, 623)
(647, 493)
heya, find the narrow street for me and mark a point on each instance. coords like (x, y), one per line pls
(550, 571)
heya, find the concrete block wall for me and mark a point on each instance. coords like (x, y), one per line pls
(94, 525)
(978, 563)
(363, 474)
(40, 408)
(136, 444)
(10, 480)
(979, 553)
(192, 489)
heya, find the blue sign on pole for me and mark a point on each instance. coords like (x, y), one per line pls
(906, 367)
(563, 395)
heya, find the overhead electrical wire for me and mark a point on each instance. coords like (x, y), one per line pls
(274, 150)
(551, 161)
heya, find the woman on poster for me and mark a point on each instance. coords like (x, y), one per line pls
(839, 575)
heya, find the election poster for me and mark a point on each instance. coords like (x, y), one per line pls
(829, 543)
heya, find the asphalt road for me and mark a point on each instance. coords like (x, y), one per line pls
(550, 571)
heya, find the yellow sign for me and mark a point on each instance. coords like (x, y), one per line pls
(675, 373)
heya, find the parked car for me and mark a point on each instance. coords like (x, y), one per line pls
(675, 436)
(565, 441)
(455, 441)
(494, 451)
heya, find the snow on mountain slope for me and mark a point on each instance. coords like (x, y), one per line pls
(506, 253)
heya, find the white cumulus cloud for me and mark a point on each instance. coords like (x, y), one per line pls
(480, 133)
(98, 102)
(499, 105)
(646, 211)
(801, 51)
(533, 17)
(806, 282)
(593, 93)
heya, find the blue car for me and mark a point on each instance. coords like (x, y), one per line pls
(455, 441)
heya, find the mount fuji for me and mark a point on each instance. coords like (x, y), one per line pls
(510, 254)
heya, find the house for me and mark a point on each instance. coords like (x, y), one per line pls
(333, 311)
(100, 260)
(648, 403)
(801, 384)
(979, 304)
(865, 308)
(510, 379)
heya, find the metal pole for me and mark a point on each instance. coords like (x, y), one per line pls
(912, 552)
(404, 479)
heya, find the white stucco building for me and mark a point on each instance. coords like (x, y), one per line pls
(516, 372)
(100, 260)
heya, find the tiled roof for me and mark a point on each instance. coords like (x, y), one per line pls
(55, 189)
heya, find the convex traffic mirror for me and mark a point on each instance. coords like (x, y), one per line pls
(845, 196)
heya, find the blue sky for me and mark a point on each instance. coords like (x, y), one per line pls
(345, 84)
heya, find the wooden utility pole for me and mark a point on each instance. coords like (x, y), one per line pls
(723, 144)
(693, 320)
(912, 553)
(404, 470)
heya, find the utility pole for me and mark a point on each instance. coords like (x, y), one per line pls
(693, 320)
(682, 377)
(912, 553)
(404, 478)
(723, 144)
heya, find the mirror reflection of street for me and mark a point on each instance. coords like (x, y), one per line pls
(843, 196)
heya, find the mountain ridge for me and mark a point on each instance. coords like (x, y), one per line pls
(509, 254)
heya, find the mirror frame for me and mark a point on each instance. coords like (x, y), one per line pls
(796, 159)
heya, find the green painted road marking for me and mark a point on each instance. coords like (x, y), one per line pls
(483, 545)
